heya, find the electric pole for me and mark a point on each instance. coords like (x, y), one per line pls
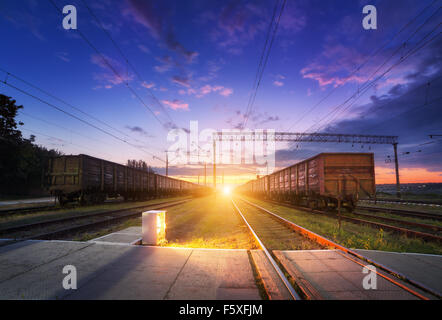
(167, 164)
(396, 163)
(214, 164)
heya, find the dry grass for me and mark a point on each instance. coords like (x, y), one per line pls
(208, 222)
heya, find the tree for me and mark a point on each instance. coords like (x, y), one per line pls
(8, 125)
(22, 162)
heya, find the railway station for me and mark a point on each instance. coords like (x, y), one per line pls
(136, 163)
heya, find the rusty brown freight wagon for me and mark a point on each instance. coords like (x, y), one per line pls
(91, 180)
(320, 181)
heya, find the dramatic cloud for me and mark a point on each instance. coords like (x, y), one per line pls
(182, 81)
(107, 77)
(206, 89)
(237, 24)
(409, 110)
(143, 48)
(176, 104)
(256, 119)
(140, 131)
(148, 85)
(334, 65)
(166, 64)
(278, 83)
(149, 14)
(63, 56)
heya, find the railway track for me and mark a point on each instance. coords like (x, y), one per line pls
(405, 213)
(300, 282)
(400, 230)
(401, 201)
(27, 210)
(31, 210)
(57, 227)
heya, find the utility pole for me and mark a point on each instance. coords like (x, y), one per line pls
(205, 173)
(214, 164)
(167, 164)
(396, 163)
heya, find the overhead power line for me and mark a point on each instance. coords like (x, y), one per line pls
(371, 56)
(76, 117)
(109, 65)
(125, 58)
(262, 63)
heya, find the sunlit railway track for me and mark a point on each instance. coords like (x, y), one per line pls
(294, 295)
(396, 229)
(388, 274)
(61, 227)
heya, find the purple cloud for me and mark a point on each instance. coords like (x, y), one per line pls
(148, 14)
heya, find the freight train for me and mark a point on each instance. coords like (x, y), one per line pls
(91, 180)
(325, 181)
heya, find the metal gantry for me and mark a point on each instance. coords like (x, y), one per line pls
(317, 137)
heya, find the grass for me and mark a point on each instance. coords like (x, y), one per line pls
(352, 235)
(208, 222)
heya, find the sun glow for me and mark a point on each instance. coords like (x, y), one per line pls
(226, 191)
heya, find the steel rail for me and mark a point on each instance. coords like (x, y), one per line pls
(26, 210)
(408, 232)
(84, 216)
(410, 223)
(404, 201)
(86, 226)
(281, 275)
(324, 241)
(405, 213)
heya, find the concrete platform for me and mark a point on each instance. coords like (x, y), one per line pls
(423, 268)
(326, 274)
(33, 270)
(130, 235)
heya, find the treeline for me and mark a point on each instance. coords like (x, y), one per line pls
(140, 164)
(22, 162)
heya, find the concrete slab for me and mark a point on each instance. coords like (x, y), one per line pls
(423, 268)
(33, 270)
(334, 276)
(130, 235)
(215, 274)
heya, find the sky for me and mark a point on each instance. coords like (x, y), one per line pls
(136, 70)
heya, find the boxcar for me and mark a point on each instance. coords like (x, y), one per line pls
(320, 181)
(91, 180)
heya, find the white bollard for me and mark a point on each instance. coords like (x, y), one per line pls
(154, 227)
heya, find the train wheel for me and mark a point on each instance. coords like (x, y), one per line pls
(322, 204)
(62, 200)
